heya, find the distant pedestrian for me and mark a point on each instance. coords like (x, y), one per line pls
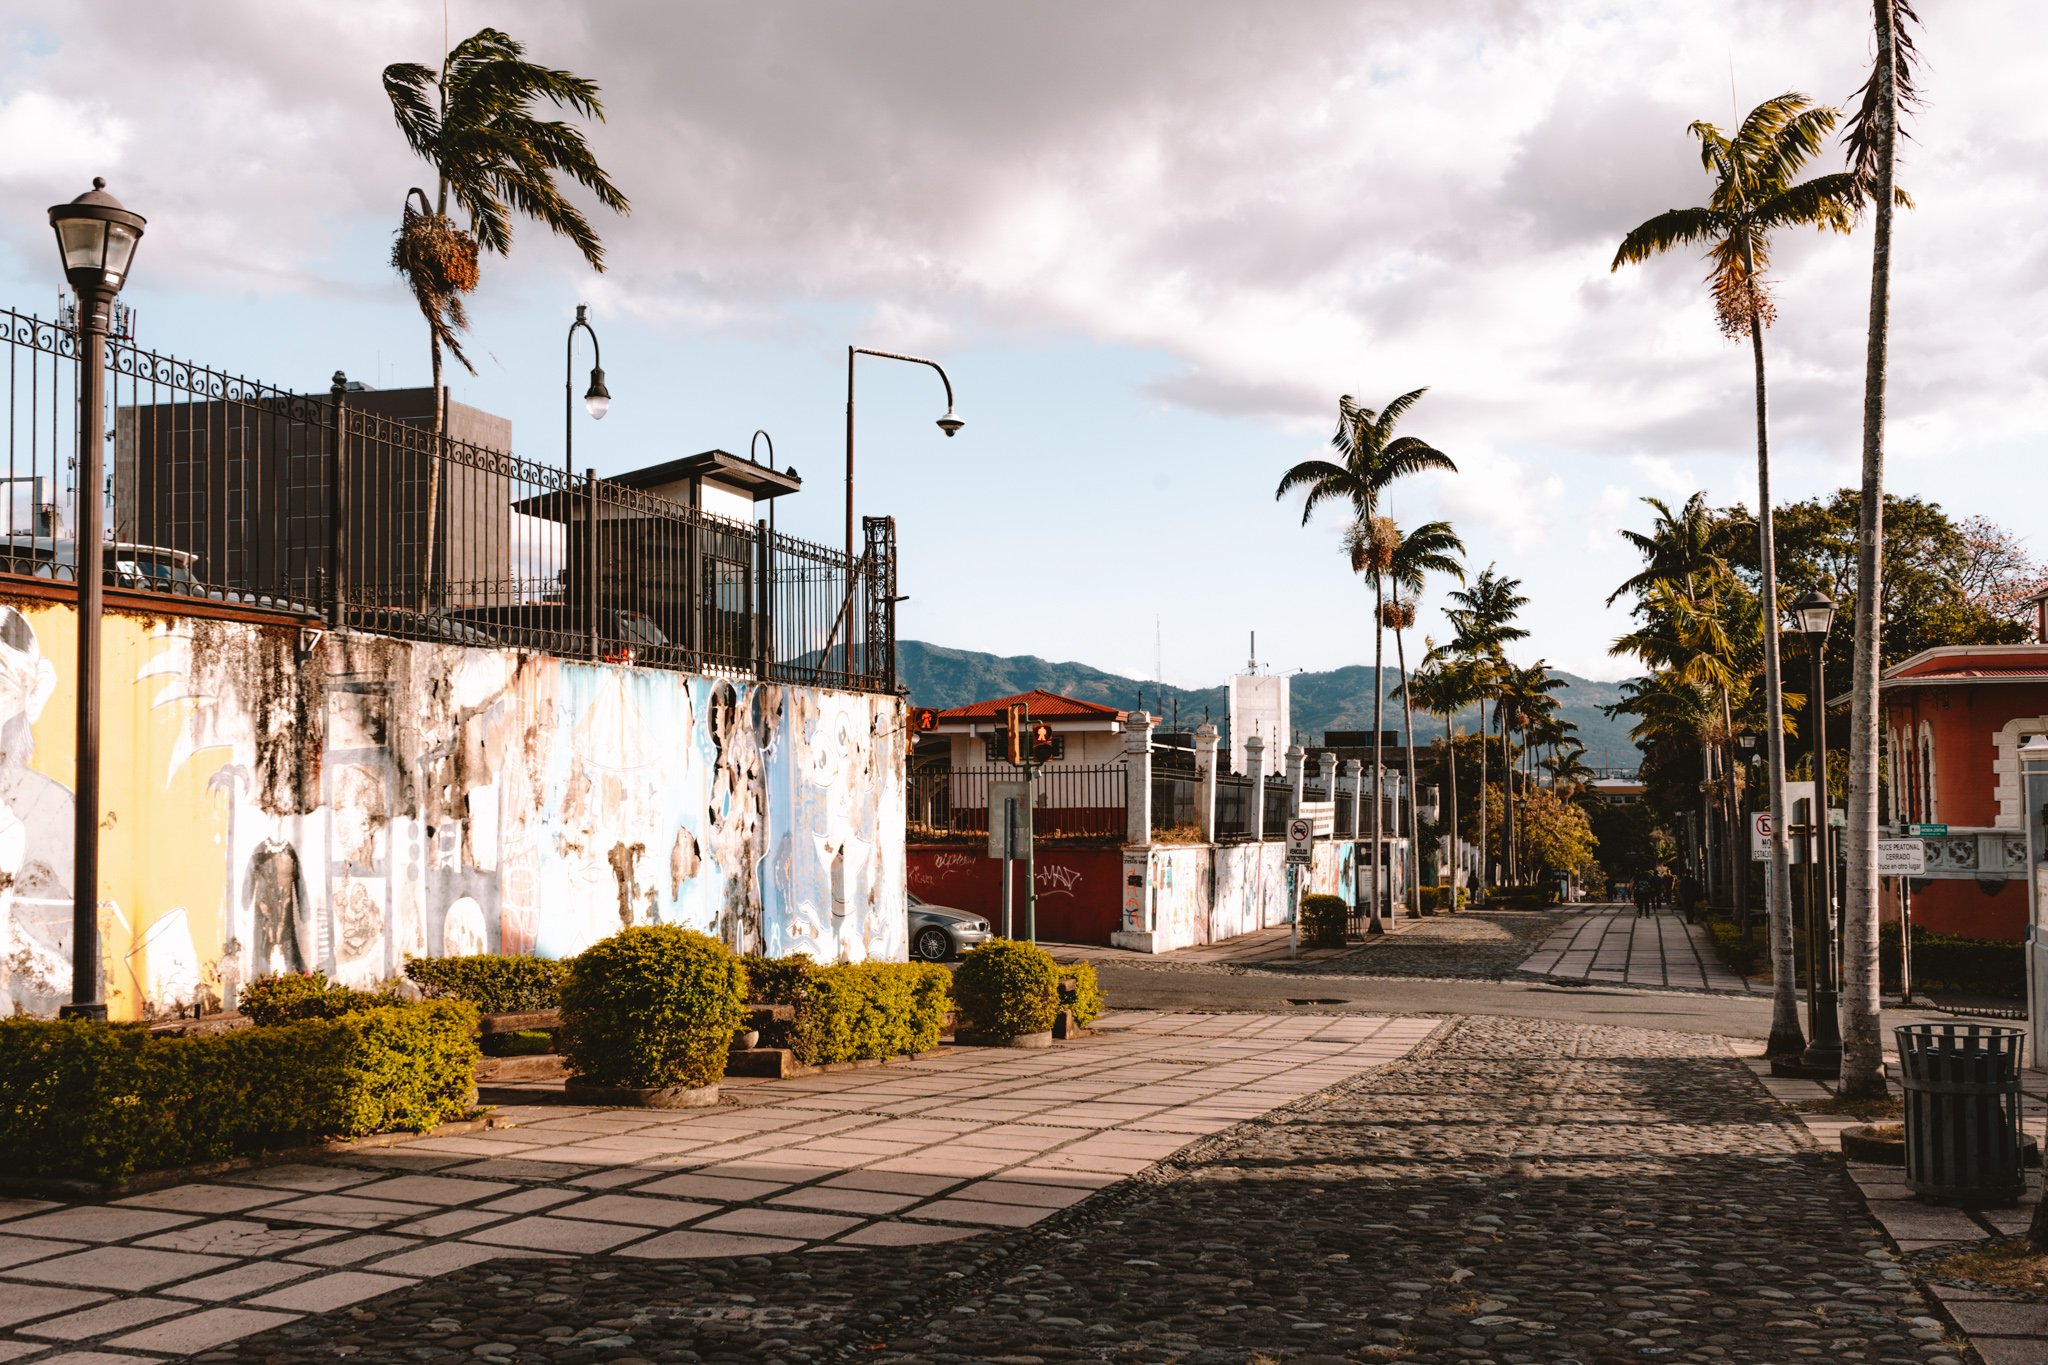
(1640, 890)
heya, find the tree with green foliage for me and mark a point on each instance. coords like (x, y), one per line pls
(1757, 193)
(473, 121)
(1431, 548)
(1484, 622)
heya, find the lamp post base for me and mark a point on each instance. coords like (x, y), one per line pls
(95, 1010)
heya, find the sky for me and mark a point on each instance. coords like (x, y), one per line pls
(1151, 241)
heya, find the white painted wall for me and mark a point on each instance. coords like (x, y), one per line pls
(1259, 706)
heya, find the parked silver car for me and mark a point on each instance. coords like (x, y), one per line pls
(939, 934)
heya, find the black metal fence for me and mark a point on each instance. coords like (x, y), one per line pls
(1233, 807)
(346, 506)
(1070, 800)
(1175, 798)
(1279, 806)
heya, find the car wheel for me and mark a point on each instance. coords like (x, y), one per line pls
(934, 945)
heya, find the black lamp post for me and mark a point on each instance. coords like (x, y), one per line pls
(1745, 743)
(1815, 616)
(949, 424)
(597, 399)
(97, 238)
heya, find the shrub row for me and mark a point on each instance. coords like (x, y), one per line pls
(853, 1012)
(85, 1099)
(496, 983)
(1080, 993)
(1438, 898)
(307, 995)
(1324, 920)
(1945, 962)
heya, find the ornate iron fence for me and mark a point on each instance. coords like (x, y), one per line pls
(1233, 808)
(1069, 801)
(1279, 806)
(1175, 795)
(346, 506)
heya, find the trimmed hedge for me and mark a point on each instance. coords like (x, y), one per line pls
(84, 1099)
(854, 1011)
(1438, 898)
(305, 995)
(1324, 920)
(1945, 962)
(1081, 993)
(1006, 989)
(496, 983)
(652, 1006)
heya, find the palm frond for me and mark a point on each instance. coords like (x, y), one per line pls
(1669, 230)
(1863, 136)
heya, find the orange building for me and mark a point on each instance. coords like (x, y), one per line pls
(1955, 718)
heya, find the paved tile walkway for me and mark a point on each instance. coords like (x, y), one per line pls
(1260, 946)
(1612, 943)
(958, 1142)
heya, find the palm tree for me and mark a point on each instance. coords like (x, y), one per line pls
(1445, 684)
(1484, 622)
(1873, 152)
(1432, 547)
(473, 122)
(1757, 192)
(1523, 701)
(1371, 458)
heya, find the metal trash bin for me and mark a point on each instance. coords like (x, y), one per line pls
(1962, 1093)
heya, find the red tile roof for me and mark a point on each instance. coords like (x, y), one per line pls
(1042, 704)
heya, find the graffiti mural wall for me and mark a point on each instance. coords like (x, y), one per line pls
(282, 801)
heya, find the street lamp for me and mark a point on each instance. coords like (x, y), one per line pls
(597, 400)
(97, 239)
(950, 424)
(2033, 764)
(1815, 614)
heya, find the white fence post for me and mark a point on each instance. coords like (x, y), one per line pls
(1138, 779)
(1205, 780)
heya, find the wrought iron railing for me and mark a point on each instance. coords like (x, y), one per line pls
(345, 506)
(1233, 807)
(1070, 800)
(1279, 806)
(1175, 798)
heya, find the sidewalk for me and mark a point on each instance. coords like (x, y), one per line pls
(959, 1142)
(1611, 943)
(2005, 1330)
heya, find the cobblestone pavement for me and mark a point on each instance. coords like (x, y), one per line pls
(1481, 945)
(1514, 1191)
(1612, 943)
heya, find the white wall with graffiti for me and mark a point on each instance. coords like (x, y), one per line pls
(1178, 896)
(278, 800)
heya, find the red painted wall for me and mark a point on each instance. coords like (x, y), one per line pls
(1080, 891)
(1963, 908)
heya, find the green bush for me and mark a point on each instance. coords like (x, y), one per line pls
(496, 983)
(1081, 993)
(305, 995)
(652, 1006)
(1324, 920)
(1006, 989)
(1438, 898)
(1740, 957)
(854, 1011)
(1946, 962)
(84, 1099)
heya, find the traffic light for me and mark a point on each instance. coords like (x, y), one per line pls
(1041, 741)
(1013, 733)
(923, 719)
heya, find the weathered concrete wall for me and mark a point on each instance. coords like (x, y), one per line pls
(274, 801)
(1192, 894)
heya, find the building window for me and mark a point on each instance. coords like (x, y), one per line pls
(1927, 810)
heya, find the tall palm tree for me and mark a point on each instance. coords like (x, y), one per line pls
(1484, 620)
(1370, 460)
(1873, 153)
(474, 123)
(1757, 192)
(1432, 547)
(1523, 701)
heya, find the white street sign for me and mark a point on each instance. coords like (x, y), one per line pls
(1000, 794)
(1300, 839)
(1901, 857)
(1760, 837)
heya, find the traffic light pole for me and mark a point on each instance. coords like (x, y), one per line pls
(1030, 853)
(1009, 848)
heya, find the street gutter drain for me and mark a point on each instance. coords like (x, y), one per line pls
(1292, 1001)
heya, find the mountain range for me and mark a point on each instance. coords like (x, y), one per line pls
(1339, 699)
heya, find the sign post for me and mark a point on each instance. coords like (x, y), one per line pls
(1301, 842)
(1902, 860)
(1009, 808)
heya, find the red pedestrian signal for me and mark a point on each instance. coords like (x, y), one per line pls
(923, 719)
(1041, 742)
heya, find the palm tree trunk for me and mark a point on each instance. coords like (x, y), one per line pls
(1414, 806)
(439, 454)
(1507, 806)
(1862, 1041)
(1485, 801)
(1451, 785)
(1373, 925)
(1787, 1038)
